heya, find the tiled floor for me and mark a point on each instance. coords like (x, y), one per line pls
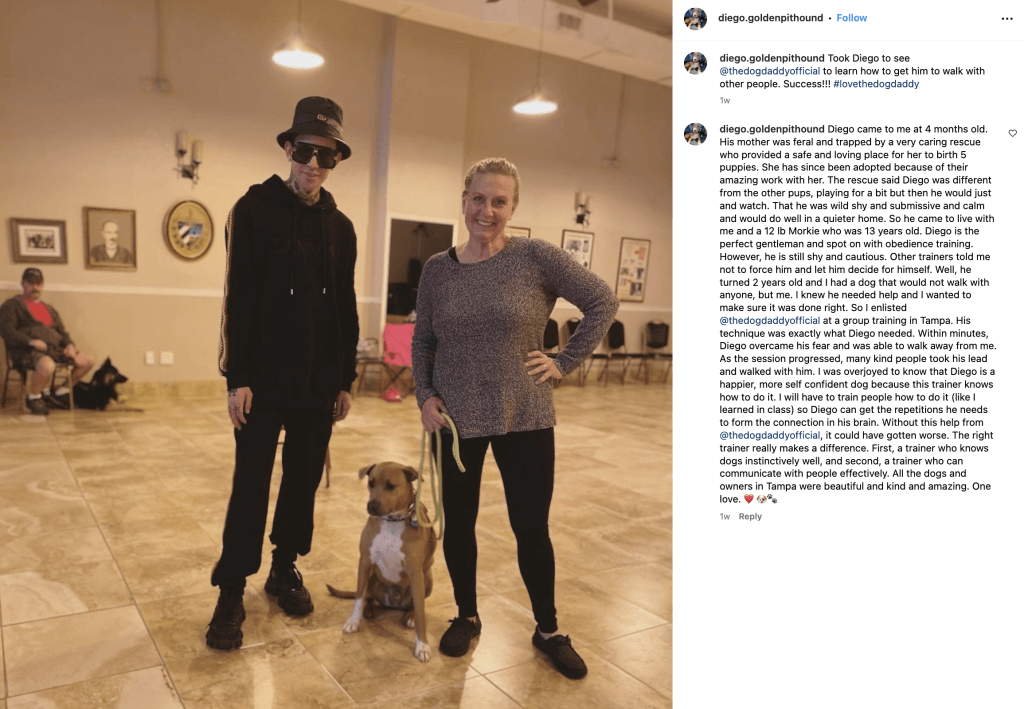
(110, 523)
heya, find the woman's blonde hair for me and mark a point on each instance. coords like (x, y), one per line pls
(494, 166)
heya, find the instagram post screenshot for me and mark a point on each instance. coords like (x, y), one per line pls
(847, 462)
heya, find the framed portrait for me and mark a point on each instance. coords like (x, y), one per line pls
(110, 239)
(634, 256)
(579, 245)
(39, 241)
(522, 231)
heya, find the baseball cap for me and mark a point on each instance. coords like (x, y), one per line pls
(32, 275)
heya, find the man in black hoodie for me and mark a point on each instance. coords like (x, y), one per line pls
(287, 348)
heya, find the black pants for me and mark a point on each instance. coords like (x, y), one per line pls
(307, 433)
(526, 461)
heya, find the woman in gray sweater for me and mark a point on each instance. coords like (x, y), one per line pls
(480, 316)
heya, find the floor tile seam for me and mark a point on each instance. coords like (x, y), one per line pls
(131, 593)
(509, 696)
(3, 669)
(627, 550)
(339, 685)
(399, 699)
(127, 604)
(639, 519)
(81, 681)
(481, 675)
(627, 672)
(106, 540)
(638, 631)
(583, 580)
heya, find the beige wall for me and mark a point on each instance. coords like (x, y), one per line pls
(564, 152)
(85, 127)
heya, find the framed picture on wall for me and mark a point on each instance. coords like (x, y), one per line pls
(579, 245)
(631, 278)
(110, 239)
(520, 231)
(38, 241)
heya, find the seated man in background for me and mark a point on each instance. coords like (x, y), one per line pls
(36, 341)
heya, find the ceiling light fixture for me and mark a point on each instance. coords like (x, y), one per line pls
(536, 103)
(297, 54)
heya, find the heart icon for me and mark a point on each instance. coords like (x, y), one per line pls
(748, 498)
(1013, 132)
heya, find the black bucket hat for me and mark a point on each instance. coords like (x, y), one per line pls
(315, 115)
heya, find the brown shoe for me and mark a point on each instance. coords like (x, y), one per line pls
(559, 649)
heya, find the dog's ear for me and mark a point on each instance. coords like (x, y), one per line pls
(411, 474)
(366, 471)
(106, 362)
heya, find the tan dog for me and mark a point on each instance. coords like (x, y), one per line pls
(394, 555)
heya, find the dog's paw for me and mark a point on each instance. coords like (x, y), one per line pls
(410, 622)
(350, 626)
(421, 651)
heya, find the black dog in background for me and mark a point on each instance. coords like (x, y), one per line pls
(98, 393)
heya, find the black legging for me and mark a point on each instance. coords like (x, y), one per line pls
(307, 433)
(526, 461)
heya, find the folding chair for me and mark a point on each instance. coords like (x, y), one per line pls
(22, 375)
(653, 342)
(397, 359)
(18, 376)
(370, 354)
(571, 325)
(614, 351)
(552, 342)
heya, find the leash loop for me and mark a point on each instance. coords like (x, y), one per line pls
(435, 478)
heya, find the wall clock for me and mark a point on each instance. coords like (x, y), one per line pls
(188, 229)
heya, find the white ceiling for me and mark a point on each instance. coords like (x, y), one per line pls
(636, 41)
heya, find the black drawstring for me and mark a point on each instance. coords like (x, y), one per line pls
(291, 263)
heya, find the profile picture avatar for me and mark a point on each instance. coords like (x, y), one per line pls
(695, 134)
(695, 63)
(695, 18)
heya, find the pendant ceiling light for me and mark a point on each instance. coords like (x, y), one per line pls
(536, 103)
(297, 54)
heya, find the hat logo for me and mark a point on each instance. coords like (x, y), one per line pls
(321, 117)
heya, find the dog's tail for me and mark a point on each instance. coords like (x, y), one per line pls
(340, 594)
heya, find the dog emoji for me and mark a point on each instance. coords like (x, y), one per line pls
(395, 555)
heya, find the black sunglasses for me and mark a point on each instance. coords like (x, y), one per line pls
(326, 158)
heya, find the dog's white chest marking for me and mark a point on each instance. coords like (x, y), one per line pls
(386, 550)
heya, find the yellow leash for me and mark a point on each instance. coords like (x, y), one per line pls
(435, 479)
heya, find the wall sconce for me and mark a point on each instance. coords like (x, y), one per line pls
(191, 169)
(583, 208)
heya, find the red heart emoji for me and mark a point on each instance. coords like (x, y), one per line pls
(748, 498)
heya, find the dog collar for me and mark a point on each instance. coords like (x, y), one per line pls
(400, 516)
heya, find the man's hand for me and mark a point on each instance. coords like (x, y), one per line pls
(37, 345)
(342, 406)
(70, 351)
(239, 404)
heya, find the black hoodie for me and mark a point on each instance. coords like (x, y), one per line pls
(289, 326)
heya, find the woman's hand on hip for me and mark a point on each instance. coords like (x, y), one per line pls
(430, 414)
(540, 364)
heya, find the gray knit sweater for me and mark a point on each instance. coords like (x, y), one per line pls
(475, 322)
